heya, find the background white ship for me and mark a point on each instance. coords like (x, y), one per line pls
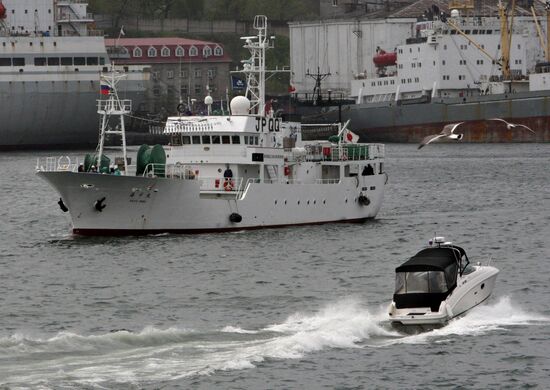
(50, 64)
(460, 62)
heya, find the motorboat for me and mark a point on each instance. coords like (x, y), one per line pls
(438, 284)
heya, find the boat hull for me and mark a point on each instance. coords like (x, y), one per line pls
(61, 114)
(472, 290)
(410, 123)
(143, 205)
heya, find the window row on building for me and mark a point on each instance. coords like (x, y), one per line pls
(184, 74)
(179, 51)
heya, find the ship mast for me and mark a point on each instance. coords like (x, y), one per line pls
(112, 106)
(254, 67)
(505, 38)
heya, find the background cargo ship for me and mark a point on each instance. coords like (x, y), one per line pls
(50, 64)
(456, 67)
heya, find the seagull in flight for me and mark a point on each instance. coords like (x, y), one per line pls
(447, 132)
(511, 126)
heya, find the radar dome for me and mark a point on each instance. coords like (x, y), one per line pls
(208, 100)
(455, 13)
(240, 105)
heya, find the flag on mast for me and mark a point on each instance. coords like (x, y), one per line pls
(105, 88)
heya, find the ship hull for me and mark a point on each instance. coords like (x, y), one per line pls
(393, 122)
(48, 115)
(141, 205)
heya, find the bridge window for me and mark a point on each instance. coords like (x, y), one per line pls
(186, 139)
(179, 51)
(215, 139)
(193, 51)
(137, 52)
(5, 61)
(66, 61)
(235, 139)
(18, 61)
(53, 61)
(79, 61)
(165, 52)
(226, 139)
(206, 139)
(92, 61)
(151, 52)
(218, 51)
(196, 139)
(40, 61)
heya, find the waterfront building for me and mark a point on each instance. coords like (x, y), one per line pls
(182, 70)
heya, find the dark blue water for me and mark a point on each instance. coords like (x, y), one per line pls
(296, 308)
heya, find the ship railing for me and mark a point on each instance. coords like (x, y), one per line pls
(343, 152)
(120, 105)
(219, 185)
(57, 164)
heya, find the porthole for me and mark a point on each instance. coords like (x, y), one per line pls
(285, 201)
(482, 285)
(298, 202)
(324, 202)
(346, 200)
(308, 202)
(275, 202)
(314, 201)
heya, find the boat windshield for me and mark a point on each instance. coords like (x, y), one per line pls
(424, 282)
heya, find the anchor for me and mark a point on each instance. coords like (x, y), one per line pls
(99, 206)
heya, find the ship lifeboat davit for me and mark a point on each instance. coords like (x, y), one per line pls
(384, 59)
(2, 11)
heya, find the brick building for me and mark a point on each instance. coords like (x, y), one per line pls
(180, 68)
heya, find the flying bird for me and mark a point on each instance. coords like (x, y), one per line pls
(511, 126)
(447, 132)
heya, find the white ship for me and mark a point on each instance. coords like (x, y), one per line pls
(248, 170)
(50, 63)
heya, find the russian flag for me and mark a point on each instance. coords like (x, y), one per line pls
(105, 89)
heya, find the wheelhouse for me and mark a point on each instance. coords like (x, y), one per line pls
(427, 278)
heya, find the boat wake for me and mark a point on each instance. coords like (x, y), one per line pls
(500, 315)
(155, 355)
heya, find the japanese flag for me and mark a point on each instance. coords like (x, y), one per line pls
(350, 137)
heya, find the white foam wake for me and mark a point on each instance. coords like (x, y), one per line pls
(154, 355)
(483, 319)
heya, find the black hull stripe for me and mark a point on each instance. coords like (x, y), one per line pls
(143, 232)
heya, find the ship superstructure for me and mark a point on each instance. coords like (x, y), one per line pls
(444, 63)
(50, 62)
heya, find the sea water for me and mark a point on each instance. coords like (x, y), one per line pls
(293, 308)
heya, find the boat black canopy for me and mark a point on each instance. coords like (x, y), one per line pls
(433, 259)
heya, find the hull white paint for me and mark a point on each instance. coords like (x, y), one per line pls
(141, 205)
(471, 290)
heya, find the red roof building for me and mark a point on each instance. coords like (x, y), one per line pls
(181, 68)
